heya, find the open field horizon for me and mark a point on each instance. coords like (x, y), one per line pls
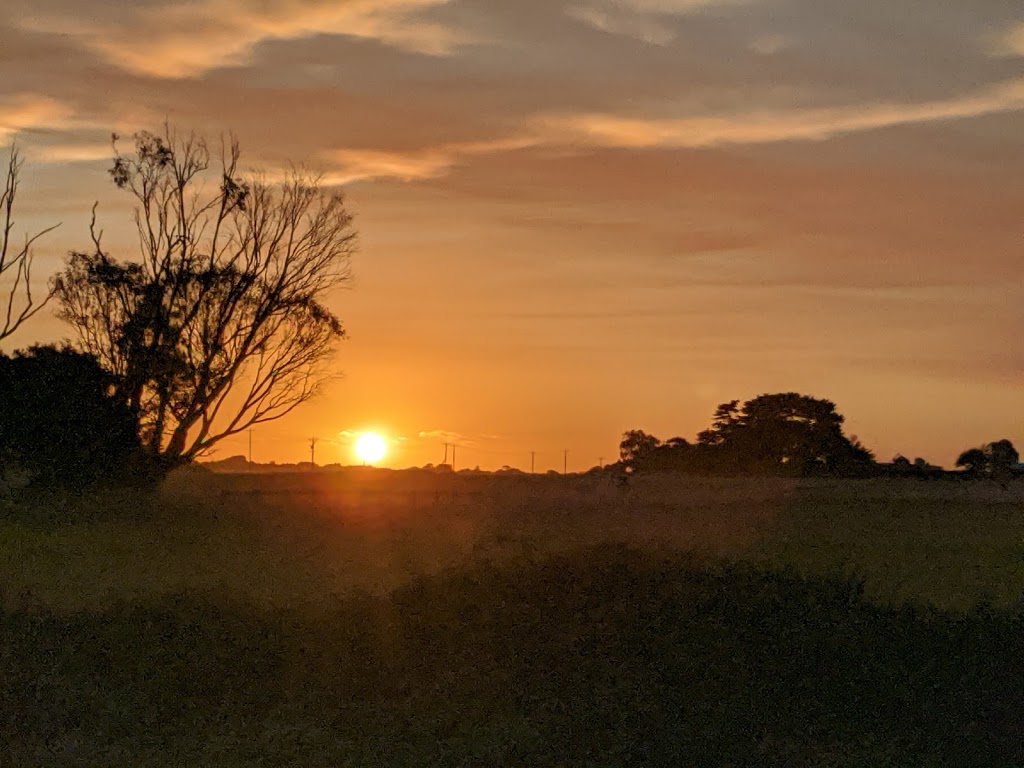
(278, 540)
(394, 619)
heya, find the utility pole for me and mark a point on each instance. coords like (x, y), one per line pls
(445, 455)
(565, 461)
(312, 451)
(600, 462)
(533, 456)
(453, 457)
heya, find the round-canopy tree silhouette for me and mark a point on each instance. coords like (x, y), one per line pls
(786, 432)
(222, 322)
(637, 446)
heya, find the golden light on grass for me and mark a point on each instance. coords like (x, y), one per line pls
(370, 448)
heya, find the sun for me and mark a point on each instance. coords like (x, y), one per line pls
(370, 448)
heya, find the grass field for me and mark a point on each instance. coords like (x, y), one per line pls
(391, 619)
(278, 540)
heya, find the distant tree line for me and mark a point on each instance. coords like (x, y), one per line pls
(779, 434)
(792, 435)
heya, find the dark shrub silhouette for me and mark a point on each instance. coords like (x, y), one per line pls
(901, 465)
(59, 424)
(994, 460)
(638, 446)
(973, 461)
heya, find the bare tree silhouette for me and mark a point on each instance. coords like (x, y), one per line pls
(16, 257)
(222, 323)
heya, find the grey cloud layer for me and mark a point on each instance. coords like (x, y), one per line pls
(191, 38)
(468, 77)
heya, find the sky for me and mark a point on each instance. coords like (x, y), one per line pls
(581, 217)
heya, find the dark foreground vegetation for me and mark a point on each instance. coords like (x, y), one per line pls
(605, 657)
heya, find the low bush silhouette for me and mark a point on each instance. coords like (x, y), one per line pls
(60, 428)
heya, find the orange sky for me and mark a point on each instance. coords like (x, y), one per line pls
(582, 217)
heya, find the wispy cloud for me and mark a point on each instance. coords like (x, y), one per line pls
(360, 164)
(812, 124)
(73, 153)
(619, 22)
(768, 45)
(350, 165)
(675, 7)
(646, 20)
(176, 40)
(445, 436)
(25, 112)
(700, 131)
(1011, 43)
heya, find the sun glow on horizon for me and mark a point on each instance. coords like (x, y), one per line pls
(370, 448)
